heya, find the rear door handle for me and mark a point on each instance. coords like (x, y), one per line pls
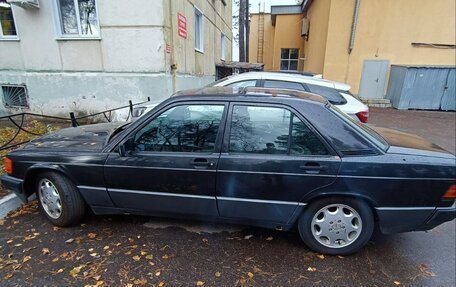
(201, 162)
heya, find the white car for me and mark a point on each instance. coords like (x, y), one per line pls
(335, 92)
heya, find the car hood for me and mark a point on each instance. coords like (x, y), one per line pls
(401, 142)
(82, 138)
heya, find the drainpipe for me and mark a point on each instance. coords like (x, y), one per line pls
(353, 29)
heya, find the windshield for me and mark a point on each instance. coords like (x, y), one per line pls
(364, 129)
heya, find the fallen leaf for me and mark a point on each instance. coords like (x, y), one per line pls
(141, 281)
(149, 257)
(165, 256)
(60, 270)
(218, 274)
(106, 247)
(311, 269)
(143, 253)
(199, 283)
(129, 285)
(9, 241)
(55, 259)
(321, 256)
(341, 257)
(92, 235)
(250, 274)
(68, 241)
(8, 276)
(26, 258)
(45, 251)
(248, 236)
(397, 282)
(55, 228)
(75, 271)
(96, 277)
(90, 249)
(157, 273)
(136, 258)
(161, 284)
(269, 238)
(17, 245)
(94, 254)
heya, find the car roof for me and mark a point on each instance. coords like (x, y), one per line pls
(230, 92)
(289, 77)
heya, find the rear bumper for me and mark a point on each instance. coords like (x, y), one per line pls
(15, 185)
(396, 220)
(441, 215)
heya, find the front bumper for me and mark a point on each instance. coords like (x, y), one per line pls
(15, 185)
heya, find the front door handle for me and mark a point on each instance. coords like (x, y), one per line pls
(313, 167)
(201, 162)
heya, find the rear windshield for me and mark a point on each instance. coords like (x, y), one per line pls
(331, 94)
(364, 129)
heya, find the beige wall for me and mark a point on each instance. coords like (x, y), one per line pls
(282, 35)
(217, 20)
(268, 42)
(386, 29)
(315, 46)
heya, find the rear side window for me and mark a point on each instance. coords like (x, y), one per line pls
(271, 130)
(243, 84)
(283, 85)
(331, 94)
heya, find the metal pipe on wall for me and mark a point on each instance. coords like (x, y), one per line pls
(353, 29)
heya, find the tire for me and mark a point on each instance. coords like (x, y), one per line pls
(59, 199)
(348, 222)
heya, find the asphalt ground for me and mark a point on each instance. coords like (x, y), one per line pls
(144, 251)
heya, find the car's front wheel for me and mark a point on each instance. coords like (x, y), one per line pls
(336, 226)
(59, 199)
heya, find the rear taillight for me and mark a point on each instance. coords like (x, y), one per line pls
(363, 116)
(450, 193)
(8, 165)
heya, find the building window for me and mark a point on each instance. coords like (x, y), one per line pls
(199, 30)
(8, 28)
(15, 96)
(78, 18)
(222, 46)
(289, 59)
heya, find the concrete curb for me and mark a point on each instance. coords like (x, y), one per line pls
(8, 203)
(11, 202)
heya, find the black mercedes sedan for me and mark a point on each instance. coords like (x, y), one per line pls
(272, 158)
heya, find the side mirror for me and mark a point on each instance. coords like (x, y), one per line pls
(125, 147)
(122, 151)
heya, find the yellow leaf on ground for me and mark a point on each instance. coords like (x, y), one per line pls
(60, 270)
(26, 258)
(141, 281)
(136, 258)
(143, 253)
(250, 274)
(321, 256)
(397, 282)
(157, 273)
(199, 283)
(92, 235)
(161, 284)
(149, 257)
(106, 247)
(218, 274)
(45, 251)
(311, 269)
(165, 256)
(8, 276)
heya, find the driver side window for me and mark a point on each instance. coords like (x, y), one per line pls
(184, 128)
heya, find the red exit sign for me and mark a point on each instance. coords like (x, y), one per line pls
(182, 25)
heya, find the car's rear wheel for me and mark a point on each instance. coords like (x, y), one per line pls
(59, 199)
(336, 226)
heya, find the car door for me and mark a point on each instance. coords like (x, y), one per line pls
(170, 162)
(271, 158)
